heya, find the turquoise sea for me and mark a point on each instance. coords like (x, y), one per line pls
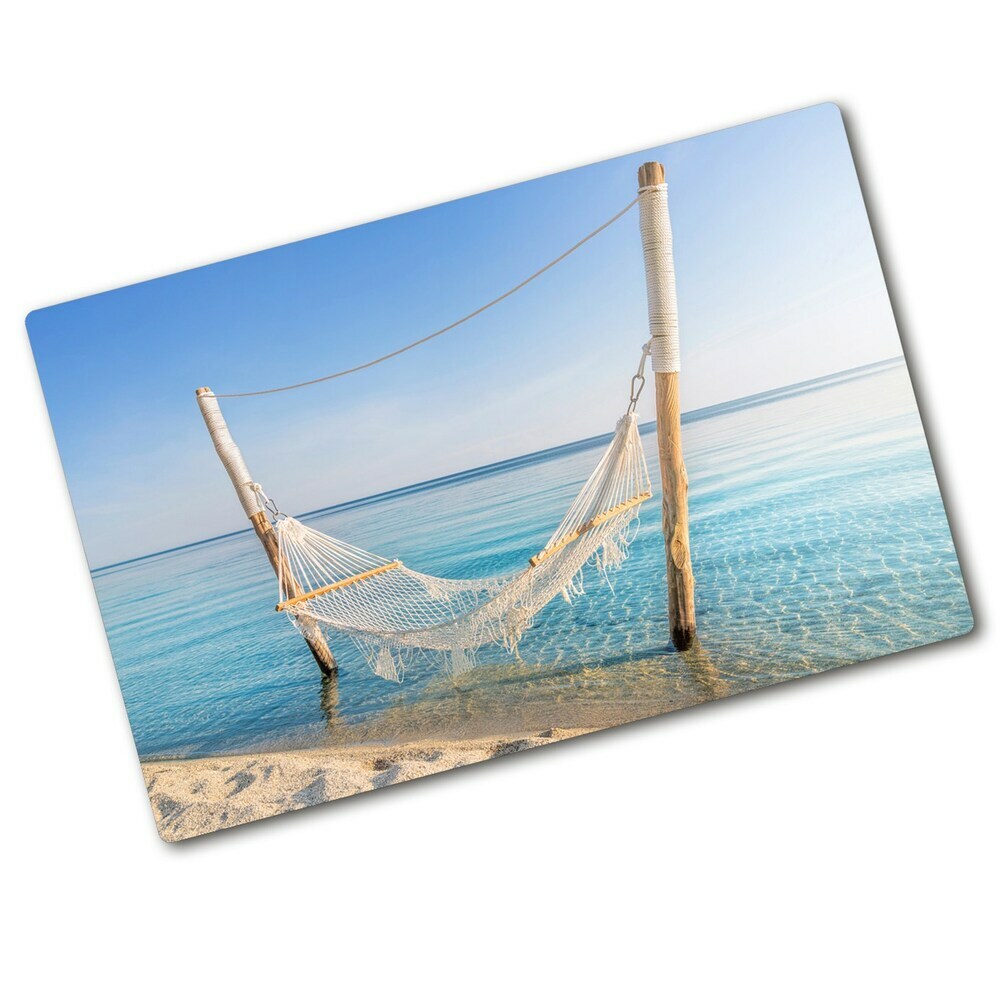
(818, 539)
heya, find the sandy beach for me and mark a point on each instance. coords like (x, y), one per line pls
(192, 797)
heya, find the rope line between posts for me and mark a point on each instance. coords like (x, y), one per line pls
(445, 329)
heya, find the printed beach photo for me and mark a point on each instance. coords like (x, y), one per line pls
(480, 477)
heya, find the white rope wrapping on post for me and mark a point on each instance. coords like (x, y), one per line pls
(661, 292)
(229, 453)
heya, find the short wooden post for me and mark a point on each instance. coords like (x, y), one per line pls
(232, 459)
(661, 296)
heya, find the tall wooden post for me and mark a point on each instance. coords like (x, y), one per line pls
(661, 296)
(232, 459)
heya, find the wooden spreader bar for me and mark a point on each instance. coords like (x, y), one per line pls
(329, 588)
(585, 527)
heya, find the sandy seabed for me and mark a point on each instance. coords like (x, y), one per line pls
(192, 797)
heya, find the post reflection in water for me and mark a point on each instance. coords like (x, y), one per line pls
(701, 667)
(329, 697)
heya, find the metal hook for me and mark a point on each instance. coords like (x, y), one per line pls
(635, 392)
(268, 504)
(639, 378)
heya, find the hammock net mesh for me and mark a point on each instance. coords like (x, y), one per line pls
(392, 612)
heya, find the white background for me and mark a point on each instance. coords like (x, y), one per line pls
(832, 837)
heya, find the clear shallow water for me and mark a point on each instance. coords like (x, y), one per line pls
(818, 539)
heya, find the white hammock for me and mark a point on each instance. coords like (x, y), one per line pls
(391, 611)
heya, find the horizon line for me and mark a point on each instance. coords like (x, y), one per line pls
(700, 413)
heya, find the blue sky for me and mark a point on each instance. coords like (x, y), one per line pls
(777, 277)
